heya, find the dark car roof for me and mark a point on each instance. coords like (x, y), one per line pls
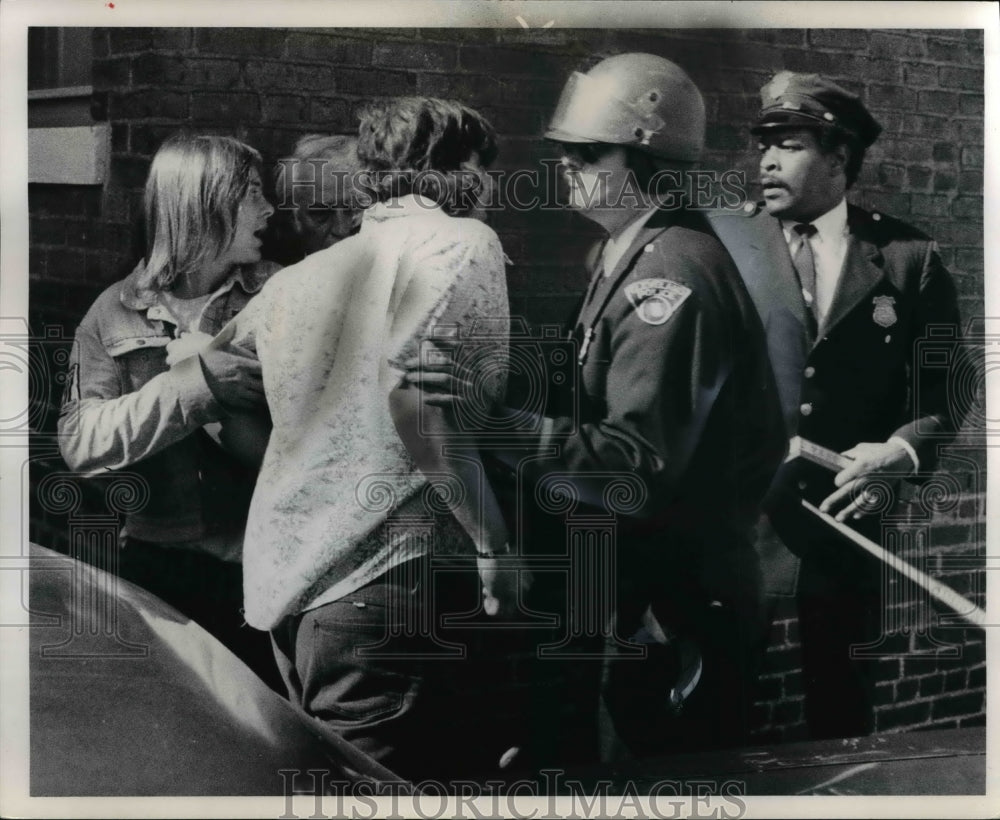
(128, 697)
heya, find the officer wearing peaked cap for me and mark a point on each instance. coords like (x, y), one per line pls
(791, 99)
(844, 294)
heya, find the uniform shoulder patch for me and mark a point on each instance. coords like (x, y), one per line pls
(656, 300)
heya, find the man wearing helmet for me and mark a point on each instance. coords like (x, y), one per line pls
(676, 390)
(675, 395)
(844, 294)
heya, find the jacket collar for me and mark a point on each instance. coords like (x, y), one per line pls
(863, 268)
(653, 225)
(136, 296)
(618, 245)
(774, 270)
(656, 223)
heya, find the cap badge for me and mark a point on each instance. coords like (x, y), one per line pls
(779, 83)
(885, 314)
(656, 300)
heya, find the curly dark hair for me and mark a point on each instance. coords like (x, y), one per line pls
(417, 145)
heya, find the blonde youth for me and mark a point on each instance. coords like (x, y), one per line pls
(192, 196)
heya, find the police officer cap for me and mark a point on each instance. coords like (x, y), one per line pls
(792, 99)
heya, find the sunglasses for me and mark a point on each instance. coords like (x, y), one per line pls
(584, 153)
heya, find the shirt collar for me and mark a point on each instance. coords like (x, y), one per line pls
(400, 206)
(832, 223)
(137, 296)
(618, 243)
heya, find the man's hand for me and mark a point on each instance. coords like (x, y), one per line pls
(503, 577)
(870, 460)
(234, 379)
(187, 344)
(444, 382)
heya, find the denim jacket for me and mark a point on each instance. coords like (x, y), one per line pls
(125, 408)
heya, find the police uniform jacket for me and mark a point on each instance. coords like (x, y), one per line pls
(853, 379)
(674, 395)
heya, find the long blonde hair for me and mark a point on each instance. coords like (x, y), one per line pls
(193, 192)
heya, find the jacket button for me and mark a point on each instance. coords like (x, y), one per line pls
(810, 372)
(802, 485)
(806, 409)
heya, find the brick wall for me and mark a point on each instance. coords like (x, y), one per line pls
(270, 86)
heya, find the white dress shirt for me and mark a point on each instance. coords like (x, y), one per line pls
(829, 247)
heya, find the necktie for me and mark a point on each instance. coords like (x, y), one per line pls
(805, 265)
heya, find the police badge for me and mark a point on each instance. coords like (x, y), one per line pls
(655, 300)
(885, 314)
